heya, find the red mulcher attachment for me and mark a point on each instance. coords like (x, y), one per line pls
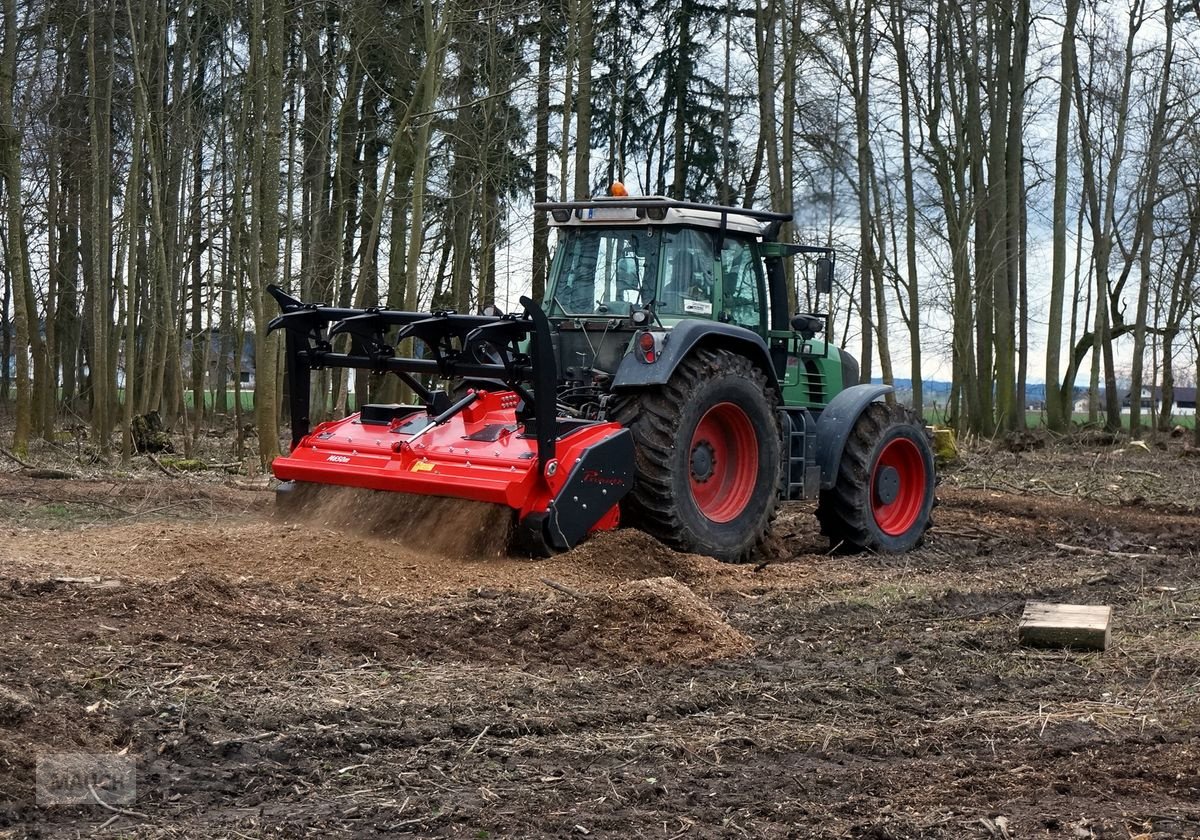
(501, 442)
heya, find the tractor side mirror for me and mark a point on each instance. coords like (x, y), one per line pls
(824, 276)
(808, 325)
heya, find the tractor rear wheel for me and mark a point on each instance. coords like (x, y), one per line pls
(708, 456)
(884, 492)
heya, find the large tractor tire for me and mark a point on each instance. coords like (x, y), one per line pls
(708, 456)
(884, 492)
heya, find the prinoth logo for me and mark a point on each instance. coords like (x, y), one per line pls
(597, 477)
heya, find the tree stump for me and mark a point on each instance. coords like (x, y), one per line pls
(148, 434)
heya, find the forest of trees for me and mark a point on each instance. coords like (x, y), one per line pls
(1000, 178)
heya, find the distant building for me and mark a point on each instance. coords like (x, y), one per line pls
(1084, 404)
(1185, 402)
(1152, 402)
(211, 338)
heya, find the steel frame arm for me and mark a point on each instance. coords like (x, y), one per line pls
(449, 336)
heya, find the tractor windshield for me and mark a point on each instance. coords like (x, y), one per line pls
(604, 271)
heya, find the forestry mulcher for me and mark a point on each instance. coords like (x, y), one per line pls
(662, 382)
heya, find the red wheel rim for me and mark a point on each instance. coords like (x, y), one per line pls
(898, 486)
(723, 462)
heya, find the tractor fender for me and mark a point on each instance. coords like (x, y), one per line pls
(836, 421)
(681, 340)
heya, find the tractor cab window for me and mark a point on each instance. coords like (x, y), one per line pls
(604, 271)
(687, 284)
(741, 285)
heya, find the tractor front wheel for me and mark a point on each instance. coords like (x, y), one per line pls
(708, 456)
(884, 492)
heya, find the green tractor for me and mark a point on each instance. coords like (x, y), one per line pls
(672, 319)
(662, 382)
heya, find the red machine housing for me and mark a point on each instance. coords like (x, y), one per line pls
(507, 445)
(480, 453)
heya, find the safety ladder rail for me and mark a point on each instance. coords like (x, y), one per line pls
(801, 475)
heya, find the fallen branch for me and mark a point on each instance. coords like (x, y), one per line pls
(1101, 552)
(14, 458)
(123, 812)
(159, 464)
(1000, 610)
(135, 514)
(563, 588)
(1056, 492)
(1143, 472)
(478, 738)
(47, 473)
(245, 739)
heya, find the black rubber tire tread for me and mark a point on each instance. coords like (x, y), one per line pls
(657, 416)
(844, 510)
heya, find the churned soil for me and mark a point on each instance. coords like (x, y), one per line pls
(388, 671)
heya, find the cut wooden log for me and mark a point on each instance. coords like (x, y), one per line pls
(1077, 626)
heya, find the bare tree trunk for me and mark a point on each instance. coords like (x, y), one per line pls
(583, 100)
(6, 331)
(99, 364)
(1058, 404)
(1146, 221)
(541, 155)
(1017, 17)
(678, 79)
(570, 51)
(860, 51)
(266, 74)
(16, 251)
(724, 193)
(1178, 305)
(899, 35)
(766, 22)
(200, 337)
(436, 35)
(133, 193)
(877, 269)
(981, 418)
(1101, 213)
(998, 215)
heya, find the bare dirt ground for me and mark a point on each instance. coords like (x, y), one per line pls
(288, 678)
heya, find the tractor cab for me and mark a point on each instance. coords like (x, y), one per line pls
(661, 256)
(624, 266)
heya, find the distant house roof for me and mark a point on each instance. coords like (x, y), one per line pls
(1184, 397)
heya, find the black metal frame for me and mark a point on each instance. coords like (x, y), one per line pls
(648, 202)
(777, 220)
(450, 338)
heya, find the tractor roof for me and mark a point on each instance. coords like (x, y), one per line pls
(658, 210)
